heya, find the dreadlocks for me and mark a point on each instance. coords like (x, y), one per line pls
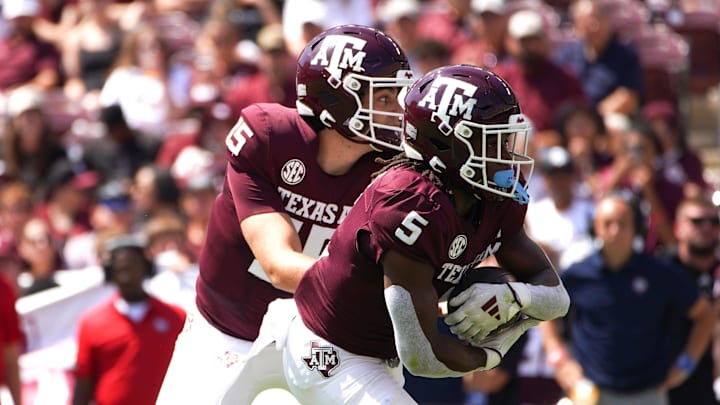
(402, 160)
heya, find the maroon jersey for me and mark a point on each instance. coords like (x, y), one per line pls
(273, 167)
(341, 297)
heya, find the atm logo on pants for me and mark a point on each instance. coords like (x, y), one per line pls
(322, 358)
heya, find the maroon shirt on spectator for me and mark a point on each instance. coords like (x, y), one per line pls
(543, 92)
(341, 297)
(274, 168)
(21, 62)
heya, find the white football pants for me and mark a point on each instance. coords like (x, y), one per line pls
(351, 379)
(210, 367)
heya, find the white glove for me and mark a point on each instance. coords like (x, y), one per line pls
(503, 339)
(481, 309)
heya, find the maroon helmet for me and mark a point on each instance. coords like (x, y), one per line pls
(337, 74)
(461, 118)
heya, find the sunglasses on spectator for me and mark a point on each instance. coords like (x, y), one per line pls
(714, 221)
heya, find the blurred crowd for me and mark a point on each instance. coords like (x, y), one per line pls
(114, 114)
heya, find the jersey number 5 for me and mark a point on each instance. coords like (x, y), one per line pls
(410, 228)
(237, 137)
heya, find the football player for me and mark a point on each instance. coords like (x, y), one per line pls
(291, 178)
(454, 198)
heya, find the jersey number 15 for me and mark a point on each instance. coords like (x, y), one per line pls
(237, 137)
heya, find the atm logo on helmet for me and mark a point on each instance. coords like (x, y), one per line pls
(338, 52)
(456, 99)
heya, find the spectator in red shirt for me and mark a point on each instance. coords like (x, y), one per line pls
(125, 344)
(24, 59)
(11, 339)
(542, 87)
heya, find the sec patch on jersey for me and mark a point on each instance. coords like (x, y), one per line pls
(486, 275)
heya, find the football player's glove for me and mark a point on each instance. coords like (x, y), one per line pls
(501, 340)
(481, 309)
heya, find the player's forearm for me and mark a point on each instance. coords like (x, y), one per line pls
(434, 356)
(460, 356)
(286, 274)
(701, 331)
(541, 301)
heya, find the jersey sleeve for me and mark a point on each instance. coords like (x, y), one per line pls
(410, 223)
(252, 194)
(249, 172)
(248, 143)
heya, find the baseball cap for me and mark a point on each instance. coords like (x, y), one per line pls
(488, 6)
(393, 10)
(555, 158)
(525, 23)
(20, 8)
(23, 99)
